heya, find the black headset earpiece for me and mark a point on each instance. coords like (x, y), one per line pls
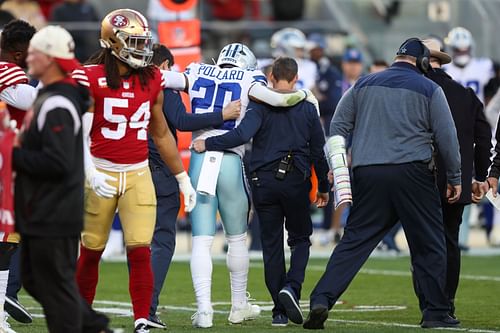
(423, 60)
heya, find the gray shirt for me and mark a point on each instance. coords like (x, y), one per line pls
(395, 116)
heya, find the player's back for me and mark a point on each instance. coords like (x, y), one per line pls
(121, 116)
(211, 88)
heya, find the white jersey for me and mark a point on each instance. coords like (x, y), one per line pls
(308, 72)
(211, 88)
(475, 75)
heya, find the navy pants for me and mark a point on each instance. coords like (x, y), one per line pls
(452, 217)
(382, 195)
(279, 202)
(14, 283)
(163, 243)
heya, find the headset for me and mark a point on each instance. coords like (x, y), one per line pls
(423, 59)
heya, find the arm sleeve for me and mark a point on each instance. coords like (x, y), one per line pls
(174, 80)
(175, 111)
(55, 159)
(345, 114)
(261, 93)
(318, 154)
(20, 96)
(241, 134)
(482, 140)
(445, 136)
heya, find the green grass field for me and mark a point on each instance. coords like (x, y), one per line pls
(380, 299)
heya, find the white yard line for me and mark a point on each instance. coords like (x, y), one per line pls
(387, 324)
(386, 272)
(124, 309)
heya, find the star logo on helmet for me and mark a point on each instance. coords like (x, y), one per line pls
(403, 50)
(119, 21)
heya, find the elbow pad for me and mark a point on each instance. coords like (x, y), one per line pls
(336, 156)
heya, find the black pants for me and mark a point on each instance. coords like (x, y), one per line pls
(48, 268)
(382, 195)
(278, 201)
(452, 217)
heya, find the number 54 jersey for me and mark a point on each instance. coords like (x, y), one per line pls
(211, 88)
(121, 116)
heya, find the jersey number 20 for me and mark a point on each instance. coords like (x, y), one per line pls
(219, 90)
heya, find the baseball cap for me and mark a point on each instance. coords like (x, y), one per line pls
(55, 41)
(352, 55)
(435, 48)
(411, 47)
(316, 40)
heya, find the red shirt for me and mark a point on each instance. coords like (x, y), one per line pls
(121, 116)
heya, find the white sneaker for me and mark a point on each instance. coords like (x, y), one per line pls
(202, 319)
(5, 327)
(247, 312)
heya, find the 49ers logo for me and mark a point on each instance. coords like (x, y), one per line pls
(119, 21)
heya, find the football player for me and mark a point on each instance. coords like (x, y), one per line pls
(19, 95)
(211, 88)
(468, 70)
(128, 98)
(291, 42)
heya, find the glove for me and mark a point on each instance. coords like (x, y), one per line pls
(311, 99)
(186, 189)
(97, 181)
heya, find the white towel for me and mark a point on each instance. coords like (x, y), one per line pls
(207, 183)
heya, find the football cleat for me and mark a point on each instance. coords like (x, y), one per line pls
(141, 326)
(155, 322)
(17, 311)
(248, 312)
(202, 319)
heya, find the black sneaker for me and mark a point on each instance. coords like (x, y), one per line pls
(289, 301)
(317, 317)
(17, 311)
(155, 322)
(446, 321)
(280, 320)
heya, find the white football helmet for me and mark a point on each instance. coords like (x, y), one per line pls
(238, 55)
(285, 42)
(126, 32)
(461, 43)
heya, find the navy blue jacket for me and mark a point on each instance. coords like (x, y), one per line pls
(177, 118)
(275, 132)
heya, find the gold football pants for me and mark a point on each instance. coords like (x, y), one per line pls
(136, 206)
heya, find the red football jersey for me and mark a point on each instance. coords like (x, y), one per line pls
(121, 116)
(10, 75)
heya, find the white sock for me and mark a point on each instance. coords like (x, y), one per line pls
(237, 261)
(201, 271)
(4, 277)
